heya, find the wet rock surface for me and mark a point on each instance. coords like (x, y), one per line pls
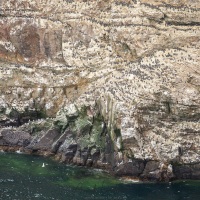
(72, 144)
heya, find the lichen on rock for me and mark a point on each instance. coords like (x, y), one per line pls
(111, 84)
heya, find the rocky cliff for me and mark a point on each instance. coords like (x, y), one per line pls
(104, 83)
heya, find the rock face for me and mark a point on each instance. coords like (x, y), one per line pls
(120, 79)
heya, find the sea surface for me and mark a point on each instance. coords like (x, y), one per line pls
(27, 177)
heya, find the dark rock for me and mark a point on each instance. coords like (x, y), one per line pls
(69, 155)
(95, 156)
(196, 171)
(68, 145)
(73, 147)
(190, 171)
(109, 152)
(89, 162)
(29, 42)
(70, 152)
(77, 158)
(84, 154)
(183, 171)
(14, 138)
(151, 166)
(56, 145)
(134, 168)
(81, 156)
(15, 118)
(46, 141)
(151, 171)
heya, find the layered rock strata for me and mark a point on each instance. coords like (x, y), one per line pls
(119, 81)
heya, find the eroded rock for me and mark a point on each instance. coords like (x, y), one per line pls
(119, 78)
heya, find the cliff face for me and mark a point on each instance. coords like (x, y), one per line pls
(120, 78)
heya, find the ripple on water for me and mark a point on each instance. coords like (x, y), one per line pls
(23, 177)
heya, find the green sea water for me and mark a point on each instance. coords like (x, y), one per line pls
(25, 177)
